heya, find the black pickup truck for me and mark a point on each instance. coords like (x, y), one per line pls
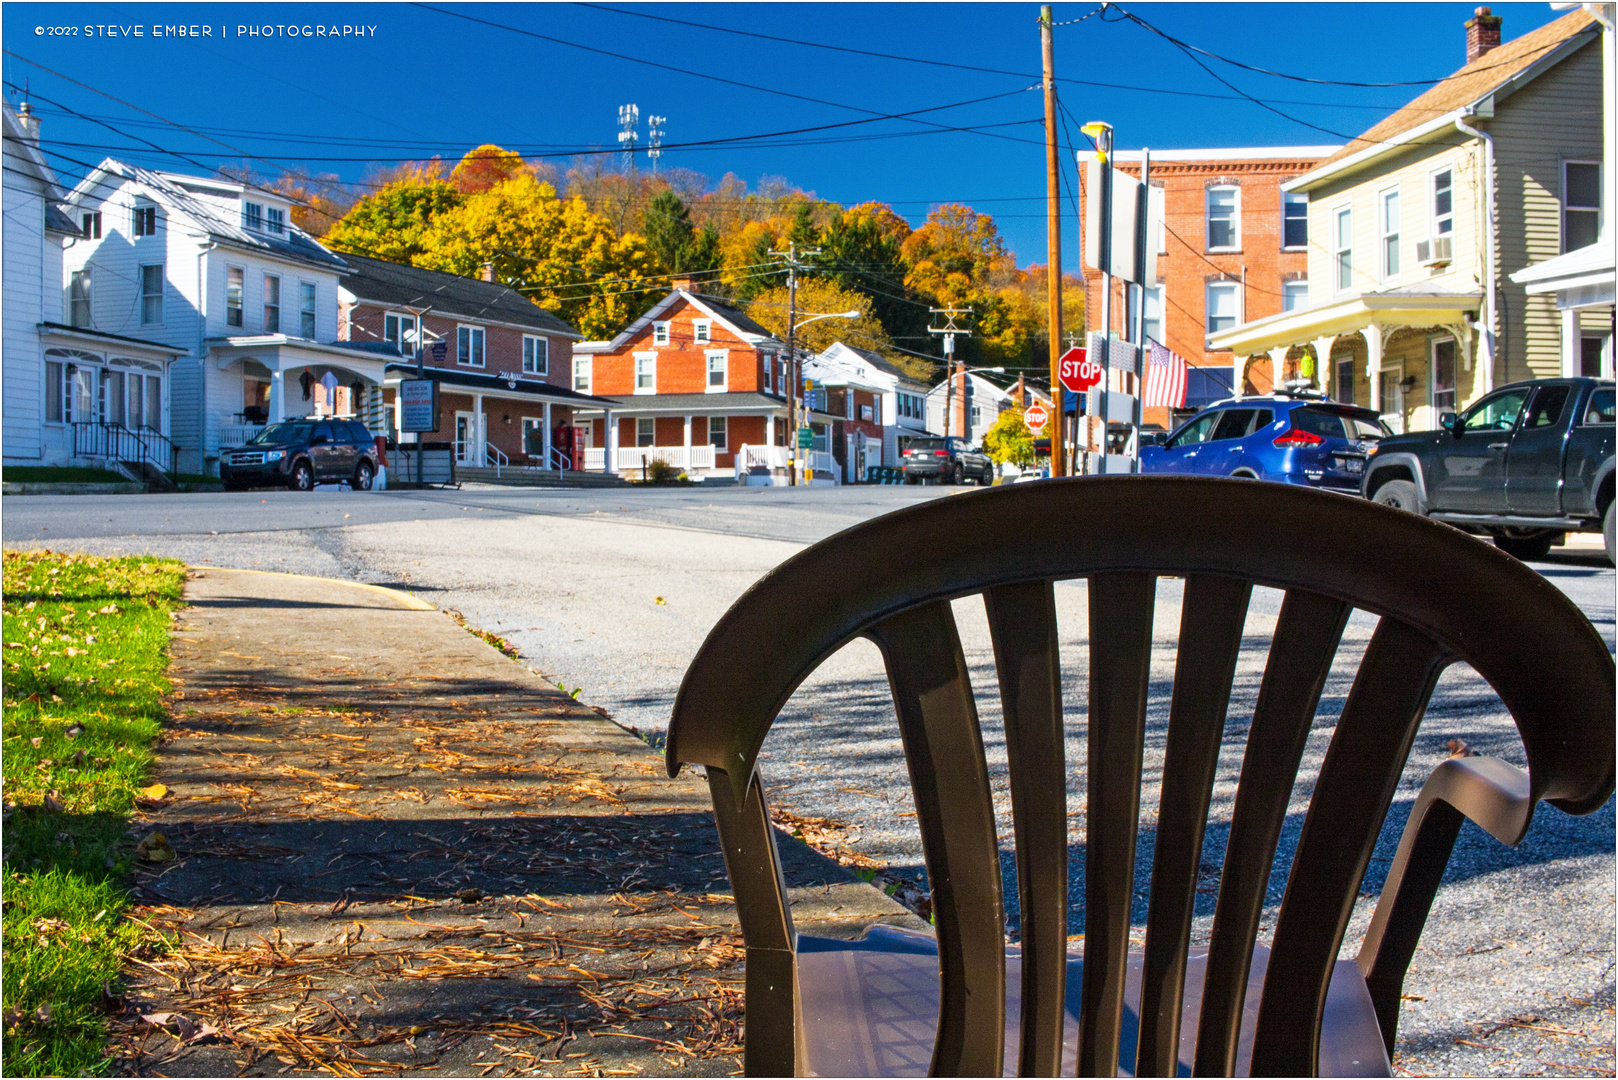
(1526, 464)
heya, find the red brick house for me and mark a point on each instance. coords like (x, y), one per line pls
(503, 364)
(1232, 249)
(693, 381)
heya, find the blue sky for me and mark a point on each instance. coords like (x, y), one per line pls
(419, 81)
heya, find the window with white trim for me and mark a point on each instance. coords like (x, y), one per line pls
(1443, 371)
(401, 331)
(646, 373)
(1443, 208)
(718, 370)
(1388, 221)
(581, 374)
(78, 299)
(1343, 249)
(718, 433)
(1294, 295)
(702, 331)
(1223, 297)
(306, 310)
(1294, 221)
(645, 431)
(252, 215)
(1223, 211)
(1154, 312)
(145, 221)
(660, 333)
(469, 346)
(768, 364)
(151, 294)
(536, 355)
(1581, 204)
(91, 225)
(275, 219)
(272, 304)
(233, 295)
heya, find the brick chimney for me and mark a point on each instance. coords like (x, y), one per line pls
(685, 282)
(1482, 33)
(487, 271)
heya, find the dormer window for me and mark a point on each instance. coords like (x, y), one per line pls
(702, 331)
(275, 219)
(145, 221)
(252, 215)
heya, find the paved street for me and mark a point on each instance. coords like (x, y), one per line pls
(613, 591)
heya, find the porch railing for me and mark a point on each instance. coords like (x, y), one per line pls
(496, 457)
(142, 446)
(595, 458)
(767, 457)
(238, 434)
(679, 457)
(561, 461)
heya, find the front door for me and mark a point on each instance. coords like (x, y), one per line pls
(465, 438)
(1469, 471)
(1534, 461)
(1392, 405)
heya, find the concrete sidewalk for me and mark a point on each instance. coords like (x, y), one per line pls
(398, 851)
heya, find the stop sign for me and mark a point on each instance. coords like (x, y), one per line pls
(1036, 417)
(1077, 373)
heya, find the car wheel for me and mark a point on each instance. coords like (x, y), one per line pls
(959, 475)
(303, 477)
(988, 476)
(1534, 545)
(1399, 494)
(1606, 528)
(363, 474)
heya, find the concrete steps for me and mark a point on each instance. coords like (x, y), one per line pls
(509, 477)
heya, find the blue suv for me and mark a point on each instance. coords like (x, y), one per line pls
(1313, 442)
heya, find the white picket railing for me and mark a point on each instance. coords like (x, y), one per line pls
(238, 434)
(634, 458)
(595, 458)
(768, 457)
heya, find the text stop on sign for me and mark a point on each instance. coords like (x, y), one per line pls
(1036, 417)
(1076, 371)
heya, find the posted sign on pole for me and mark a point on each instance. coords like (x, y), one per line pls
(1077, 373)
(1036, 418)
(418, 405)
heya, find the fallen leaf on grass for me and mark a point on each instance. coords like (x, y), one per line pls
(75, 731)
(36, 740)
(154, 793)
(53, 803)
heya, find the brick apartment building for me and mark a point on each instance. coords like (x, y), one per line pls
(1232, 249)
(503, 376)
(693, 381)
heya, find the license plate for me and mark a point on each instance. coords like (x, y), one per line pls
(1351, 464)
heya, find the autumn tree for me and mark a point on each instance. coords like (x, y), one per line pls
(318, 202)
(392, 223)
(957, 255)
(557, 252)
(1009, 441)
(818, 296)
(864, 252)
(485, 167)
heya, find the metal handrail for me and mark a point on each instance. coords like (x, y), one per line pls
(111, 439)
(560, 460)
(493, 455)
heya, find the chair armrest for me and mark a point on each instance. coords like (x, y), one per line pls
(1493, 793)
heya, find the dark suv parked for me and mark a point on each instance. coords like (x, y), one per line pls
(301, 454)
(950, 459)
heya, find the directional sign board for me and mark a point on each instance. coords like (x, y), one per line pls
(1077, 373)
(1036, 417)
(806, 438)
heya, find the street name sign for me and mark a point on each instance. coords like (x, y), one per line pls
(806, 438)
(1036, 418)
(1077, 373)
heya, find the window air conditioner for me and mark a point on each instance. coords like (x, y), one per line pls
(1438, 251)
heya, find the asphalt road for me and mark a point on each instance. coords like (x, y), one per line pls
(612, 591)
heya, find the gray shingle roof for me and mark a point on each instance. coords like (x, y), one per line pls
(172, 188)
(397, 284)
(494, 384)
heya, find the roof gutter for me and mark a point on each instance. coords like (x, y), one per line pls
(1486, 341)
(1375, 150)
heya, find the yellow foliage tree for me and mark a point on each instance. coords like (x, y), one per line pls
(817, 296)
(957, 256)
(561, 255)
(485, 167)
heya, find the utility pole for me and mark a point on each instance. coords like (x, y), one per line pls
(949, 330)
(794, 263)
(1053, 241)
(1102, 134)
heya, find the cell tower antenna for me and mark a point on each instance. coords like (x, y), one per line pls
(628, 121)
(654, 139)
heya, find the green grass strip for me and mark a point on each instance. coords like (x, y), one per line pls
(85, 647)
(61, 474)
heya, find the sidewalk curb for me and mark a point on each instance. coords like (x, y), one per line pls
(406, 600)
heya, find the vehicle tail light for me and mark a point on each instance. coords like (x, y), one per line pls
(940, 453)
(1298, 438)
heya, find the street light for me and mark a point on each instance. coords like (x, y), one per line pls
(949, 390)
(795, 376)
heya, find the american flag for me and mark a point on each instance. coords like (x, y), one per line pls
(1165, 377)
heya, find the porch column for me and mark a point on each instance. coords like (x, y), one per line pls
(1278, 362)
(769, 430)
(1373, 363)
(1570, 342)
(1323, 361)
(609, 455)
(545, 441)
(480, 456)
(688, 442)
(278, 401)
